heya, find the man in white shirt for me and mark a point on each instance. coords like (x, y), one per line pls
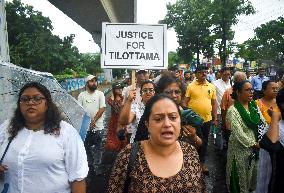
(222, 85)
(93, 102)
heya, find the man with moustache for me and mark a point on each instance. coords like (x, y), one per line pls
(93, 101)
(187, 77)
(201, 98)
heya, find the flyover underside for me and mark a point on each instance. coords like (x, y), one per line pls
(90, 14)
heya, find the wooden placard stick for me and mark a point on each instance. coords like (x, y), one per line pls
(133, 79)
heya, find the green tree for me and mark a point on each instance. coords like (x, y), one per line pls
(200, 24)
(91, 63)
(32, 44)
(267, 44)
(224, 15)
(173, 59)
(191, 21)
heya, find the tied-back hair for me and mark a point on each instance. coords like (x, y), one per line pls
(237, 87)
(52, 115)
(264, 86)
(142, 131)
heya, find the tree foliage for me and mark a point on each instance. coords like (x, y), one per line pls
(200, 24)
(224, 16)
(267, 44)
(173, 59)
(191, 21)
(91, 63)
(32, 44)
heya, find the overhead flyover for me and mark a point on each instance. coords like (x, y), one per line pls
(90, 14)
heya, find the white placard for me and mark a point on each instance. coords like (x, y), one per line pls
(134, 46)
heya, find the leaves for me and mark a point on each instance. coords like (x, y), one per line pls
(267, 44)
(202, 25)
(32, 44)
(190, 19)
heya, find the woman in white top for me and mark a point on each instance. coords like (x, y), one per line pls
(132, 111)
(46, 154)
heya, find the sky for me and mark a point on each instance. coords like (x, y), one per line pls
(150, 12)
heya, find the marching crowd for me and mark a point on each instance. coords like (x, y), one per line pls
(159, 130)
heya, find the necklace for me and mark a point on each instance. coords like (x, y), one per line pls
(36, 129)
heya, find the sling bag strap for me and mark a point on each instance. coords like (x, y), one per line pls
(6, 185)
(6, 149)
(132, 157)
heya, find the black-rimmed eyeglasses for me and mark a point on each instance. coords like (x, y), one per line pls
(36, 100)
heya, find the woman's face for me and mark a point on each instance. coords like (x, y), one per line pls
(164, 122)
(33, 105)
(173, 90)
(271, 90)
(147, 92)
(246, 93)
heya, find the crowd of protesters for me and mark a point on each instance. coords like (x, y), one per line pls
(158, 128)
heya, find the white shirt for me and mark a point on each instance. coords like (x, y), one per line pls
(92, 102)
(44, 163)
(138, 110)
(221, 87)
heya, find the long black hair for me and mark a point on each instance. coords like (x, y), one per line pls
(52, 115)
(142, 131)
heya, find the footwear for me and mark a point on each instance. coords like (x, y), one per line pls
(204, 169)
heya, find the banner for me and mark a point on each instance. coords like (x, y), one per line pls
(134, 46)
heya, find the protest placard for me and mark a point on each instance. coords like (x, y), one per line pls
(134, 46)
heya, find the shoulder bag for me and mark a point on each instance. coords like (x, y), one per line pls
(132, 157)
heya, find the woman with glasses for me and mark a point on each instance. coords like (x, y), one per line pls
(273, 142)
(242, 155)
(45, 154)
(173, 88)
(267, 105)
(131, 111)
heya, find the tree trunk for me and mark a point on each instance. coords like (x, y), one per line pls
(197, 51)
(224, 46)
(223, 55)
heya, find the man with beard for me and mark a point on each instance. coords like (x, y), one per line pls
(93, 102)
(187, 77)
